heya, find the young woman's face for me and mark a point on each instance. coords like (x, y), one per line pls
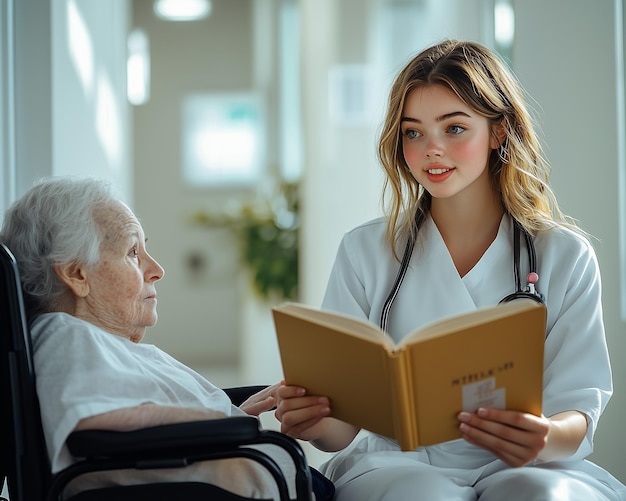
(121, 297)
(445, 143)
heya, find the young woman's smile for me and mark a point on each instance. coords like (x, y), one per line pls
(438, 173)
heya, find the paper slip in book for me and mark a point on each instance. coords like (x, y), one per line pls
(412, 392)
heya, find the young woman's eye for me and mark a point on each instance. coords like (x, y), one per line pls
(411, 134)
(456, 129)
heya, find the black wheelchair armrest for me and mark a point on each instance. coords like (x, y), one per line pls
(189, 436)
(239, 394)
(181, 444)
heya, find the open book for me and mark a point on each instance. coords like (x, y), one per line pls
(412, 392)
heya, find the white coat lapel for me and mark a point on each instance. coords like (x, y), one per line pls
(492, 277)
(432, 288)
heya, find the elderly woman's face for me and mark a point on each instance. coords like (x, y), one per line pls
(121, 295)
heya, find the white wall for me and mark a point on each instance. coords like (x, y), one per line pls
(53, 123)
(29, 78)
(90, 113)
(7, 106)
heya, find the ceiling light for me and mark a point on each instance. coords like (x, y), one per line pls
(182, 10)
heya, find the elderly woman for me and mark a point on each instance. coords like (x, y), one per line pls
(89, 286)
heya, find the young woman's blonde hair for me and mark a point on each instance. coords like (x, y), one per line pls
(518, 169)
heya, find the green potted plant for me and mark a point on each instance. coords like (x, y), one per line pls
(267, 232)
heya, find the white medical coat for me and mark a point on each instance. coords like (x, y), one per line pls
(577, 373)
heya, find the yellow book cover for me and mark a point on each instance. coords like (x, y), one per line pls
(413, 391)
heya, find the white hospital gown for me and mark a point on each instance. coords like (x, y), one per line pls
(84, 371)
(577, 374)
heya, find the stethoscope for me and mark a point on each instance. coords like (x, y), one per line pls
(527, 292)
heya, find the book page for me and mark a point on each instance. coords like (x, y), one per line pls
(355, 375)
(470, 319)
(341, 323)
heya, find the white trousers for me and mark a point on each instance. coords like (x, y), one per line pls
(404, 483)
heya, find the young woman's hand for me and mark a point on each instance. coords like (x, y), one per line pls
(300, 414)
(307, 417)
(518, 438)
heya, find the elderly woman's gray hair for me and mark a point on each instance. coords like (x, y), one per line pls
(53, 224)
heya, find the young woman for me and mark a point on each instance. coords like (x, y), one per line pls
(467, 181)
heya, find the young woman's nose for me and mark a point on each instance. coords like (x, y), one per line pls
(433, 148)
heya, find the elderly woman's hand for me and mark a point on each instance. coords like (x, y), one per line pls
(263, 401)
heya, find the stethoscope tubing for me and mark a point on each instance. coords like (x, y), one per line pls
(529, 292)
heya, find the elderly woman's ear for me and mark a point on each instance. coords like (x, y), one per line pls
(74, 276)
